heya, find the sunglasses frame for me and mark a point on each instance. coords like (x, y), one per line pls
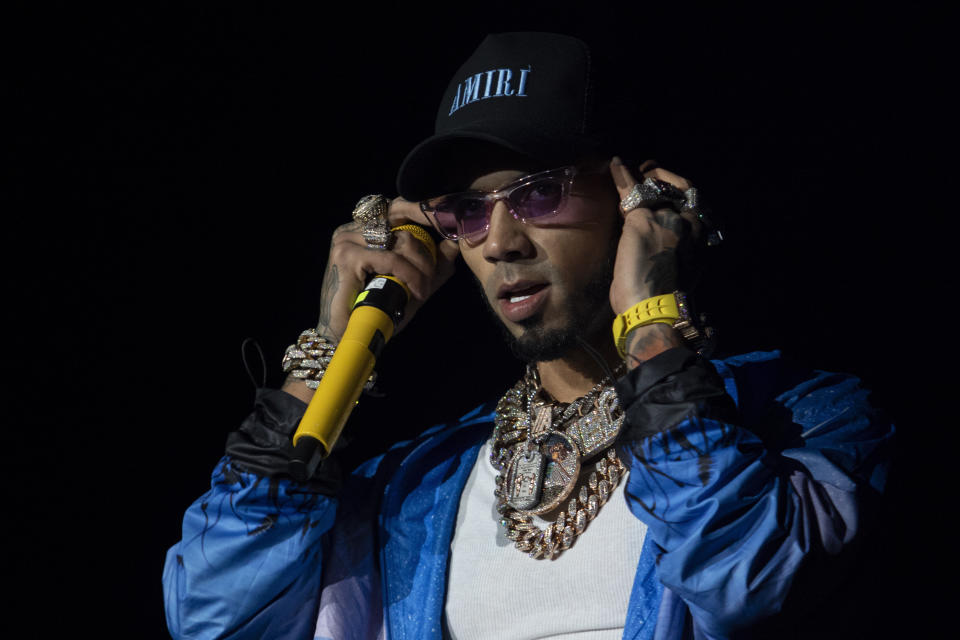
(490, 199)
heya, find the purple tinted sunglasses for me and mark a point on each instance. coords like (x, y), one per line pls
(539, 197)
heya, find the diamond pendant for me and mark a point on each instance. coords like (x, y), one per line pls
(539, 479)
(524, 480)
(599, 428)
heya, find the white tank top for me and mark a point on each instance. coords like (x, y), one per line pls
(495, 591)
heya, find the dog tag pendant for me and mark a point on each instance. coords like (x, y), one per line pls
(524, 478)
(540, 476)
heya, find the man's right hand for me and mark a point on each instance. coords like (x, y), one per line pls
(352, 262)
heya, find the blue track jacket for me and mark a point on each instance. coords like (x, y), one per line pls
(736, 509)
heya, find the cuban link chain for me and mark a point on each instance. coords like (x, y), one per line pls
(535, 442)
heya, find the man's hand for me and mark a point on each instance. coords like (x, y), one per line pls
(351, 263)
(646, 263)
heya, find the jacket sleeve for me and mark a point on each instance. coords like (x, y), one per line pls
(742, 500)
(249, 562)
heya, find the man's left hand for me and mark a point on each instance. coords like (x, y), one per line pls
(646, 263)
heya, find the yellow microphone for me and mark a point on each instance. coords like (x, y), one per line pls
(376, 313)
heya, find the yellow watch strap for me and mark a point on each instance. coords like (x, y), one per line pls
(658, 309)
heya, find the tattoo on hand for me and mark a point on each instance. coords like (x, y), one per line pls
(670, 220)
(422, 250)
(331, 282)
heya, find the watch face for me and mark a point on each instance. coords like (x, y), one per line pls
(682, 307)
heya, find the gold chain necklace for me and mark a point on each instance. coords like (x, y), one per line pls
(539, 446)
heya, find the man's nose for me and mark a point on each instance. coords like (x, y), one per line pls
(507, 237)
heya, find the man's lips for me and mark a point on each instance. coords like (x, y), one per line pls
(520, 300)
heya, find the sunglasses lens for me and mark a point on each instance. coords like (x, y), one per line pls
(446, 221)
(461, 215)
(539, 198)
(467, 215)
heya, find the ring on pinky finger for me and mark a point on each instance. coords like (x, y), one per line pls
(650, 193)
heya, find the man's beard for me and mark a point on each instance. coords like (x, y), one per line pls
(588, 313)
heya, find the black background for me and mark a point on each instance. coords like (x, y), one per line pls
(178, 171)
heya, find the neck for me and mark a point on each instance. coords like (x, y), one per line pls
(572, 376)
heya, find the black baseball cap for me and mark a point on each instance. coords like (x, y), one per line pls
(529, 93)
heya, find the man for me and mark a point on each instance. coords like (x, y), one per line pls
(624, 487)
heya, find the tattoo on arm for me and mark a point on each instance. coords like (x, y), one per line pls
(646, 342)
(331, 282)
(663, 274)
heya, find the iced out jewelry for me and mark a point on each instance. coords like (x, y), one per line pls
(539, 448)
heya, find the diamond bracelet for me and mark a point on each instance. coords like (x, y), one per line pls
(309, 358)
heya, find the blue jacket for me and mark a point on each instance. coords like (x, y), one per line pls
(736, 509)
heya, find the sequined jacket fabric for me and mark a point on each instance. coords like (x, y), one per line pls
(744, 505)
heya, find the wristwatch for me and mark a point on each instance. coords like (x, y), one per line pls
(670, 308)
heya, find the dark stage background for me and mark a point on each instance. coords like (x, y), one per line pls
(179, 171)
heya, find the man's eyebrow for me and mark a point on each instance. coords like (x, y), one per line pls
(505, 183)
